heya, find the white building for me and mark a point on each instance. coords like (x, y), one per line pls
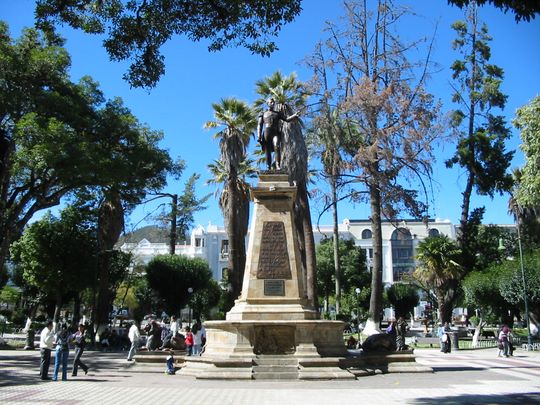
(399, 244)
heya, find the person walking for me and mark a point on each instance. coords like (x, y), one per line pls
(503, 340)
(62, 353)
(45, 346)
(134, 335)
(197, 339)
(79, 340)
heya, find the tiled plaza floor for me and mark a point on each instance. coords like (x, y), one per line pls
(462, 377)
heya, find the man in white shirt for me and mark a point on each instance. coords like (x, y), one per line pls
(45, 346)
(134, 336)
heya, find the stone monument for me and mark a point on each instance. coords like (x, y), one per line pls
(271, 328)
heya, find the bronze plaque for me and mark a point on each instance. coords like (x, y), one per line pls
(274, 288)
(273, 256)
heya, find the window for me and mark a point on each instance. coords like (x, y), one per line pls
(433, 232)
(366, 234)
(402, 253)
(199, 242)
(224, 248)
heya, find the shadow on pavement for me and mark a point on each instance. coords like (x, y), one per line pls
(525, 398)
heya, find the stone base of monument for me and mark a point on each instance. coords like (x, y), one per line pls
(271, 332)
(270, 349)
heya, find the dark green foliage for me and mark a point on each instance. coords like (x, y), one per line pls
(403, 297)
(511, 287)
(523, 9)
(136, 30)
(60, 137)
(57, 255)
(171, 276)
(353, 267)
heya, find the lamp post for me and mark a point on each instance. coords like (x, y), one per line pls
(524, 285)
(527, 320)
(190, 291)
(357, 290)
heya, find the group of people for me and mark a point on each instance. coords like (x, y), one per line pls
(161, 336)
(59, 339)
(398, 330)
(444, 337)
(505, 346)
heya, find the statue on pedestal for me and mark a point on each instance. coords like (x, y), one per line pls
(270, 135)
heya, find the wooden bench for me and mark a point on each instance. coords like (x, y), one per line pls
(427, 341)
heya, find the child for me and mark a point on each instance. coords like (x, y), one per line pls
(170, 364)
(189, 341)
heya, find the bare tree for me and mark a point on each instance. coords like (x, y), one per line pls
(393, 121)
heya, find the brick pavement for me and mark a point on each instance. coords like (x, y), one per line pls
(474, 377)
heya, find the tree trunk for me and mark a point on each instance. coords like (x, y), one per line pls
(375, 301)
(111, 224)
(76, 308)
(337, 274)
(174, 214)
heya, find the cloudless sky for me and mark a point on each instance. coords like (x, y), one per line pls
(195, 78)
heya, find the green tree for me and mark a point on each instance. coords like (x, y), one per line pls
(482, 134)
(58, 256)
(171, 276)
(136, 30)
(528, 122)
(238, 122)
(439, 270)
(352, 263)
(290, 95)
(512, 283)
(403, 297)
(382, 94)
(59, 137)
(10, 295)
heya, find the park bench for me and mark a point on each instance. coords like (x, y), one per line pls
(427, 341)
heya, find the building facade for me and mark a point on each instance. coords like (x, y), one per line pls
(400, 240)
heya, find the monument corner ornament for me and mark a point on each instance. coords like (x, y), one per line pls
(274, 256)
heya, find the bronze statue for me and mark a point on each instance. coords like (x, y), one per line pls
(271, 139)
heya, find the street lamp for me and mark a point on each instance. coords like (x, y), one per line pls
(524, 285)
(357, 290)
(190, 291)
(527, 320)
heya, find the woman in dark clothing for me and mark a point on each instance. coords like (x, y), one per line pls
(79, 341)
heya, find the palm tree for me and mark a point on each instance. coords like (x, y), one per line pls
(238, 122)
(290, 97)
(440, 271)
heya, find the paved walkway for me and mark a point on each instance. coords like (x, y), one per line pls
(462, 377)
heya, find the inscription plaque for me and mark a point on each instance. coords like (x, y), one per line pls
(273, 256)
(274, 287)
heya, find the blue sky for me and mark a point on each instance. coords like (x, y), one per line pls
(195, 78)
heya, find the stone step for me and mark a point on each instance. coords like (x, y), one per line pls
(275, 369)
(276, 376)
(275, 361)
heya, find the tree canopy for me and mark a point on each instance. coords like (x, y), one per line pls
(171, 276)
(528, 122)
(136, 30)
(57, 255)
(59, 137)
